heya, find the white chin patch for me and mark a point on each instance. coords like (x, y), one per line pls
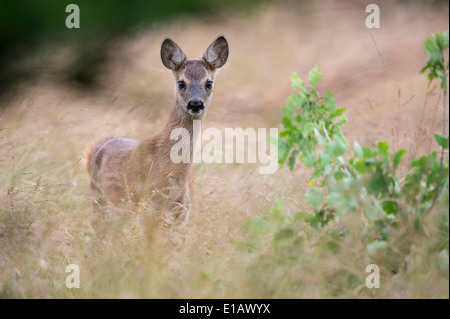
(195, 113)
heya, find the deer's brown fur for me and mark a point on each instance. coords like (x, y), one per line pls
(123, 170)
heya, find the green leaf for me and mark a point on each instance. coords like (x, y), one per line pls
(445, 39)
(330, 102)
(441, 140)
(432, 50)
(336, 148)
(342, 121)
(358, 149)
(390, 207)
(424, 68)
(432, 75)
(439, 40)
(359, 165)
(292, 158)
(320, 139)
(314, 77)
(314, 197)
(338, 113)
(292, 104)
(308, 158)
(297, 83)
(378, 184)
(283, 150)
(397, 158)
(316, 174)
(383, 150)
(342, 204)
(443, 78)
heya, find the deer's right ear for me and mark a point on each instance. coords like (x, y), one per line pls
(217, 53)
(171, 55)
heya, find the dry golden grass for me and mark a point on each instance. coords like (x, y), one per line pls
(45, 202)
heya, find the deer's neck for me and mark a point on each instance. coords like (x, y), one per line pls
(153, 156)
(178, 119)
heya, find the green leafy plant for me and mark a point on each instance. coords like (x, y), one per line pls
(434, 48)
(366, 184)
(310, 120)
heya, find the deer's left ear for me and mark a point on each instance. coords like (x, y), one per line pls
(217, 53)
(171, 55)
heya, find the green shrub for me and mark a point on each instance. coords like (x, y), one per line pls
(361, 201)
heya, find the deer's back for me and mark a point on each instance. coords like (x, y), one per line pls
(108, 163)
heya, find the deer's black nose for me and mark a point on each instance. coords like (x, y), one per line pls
(195, 106)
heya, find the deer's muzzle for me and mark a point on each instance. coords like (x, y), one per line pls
(195, 107)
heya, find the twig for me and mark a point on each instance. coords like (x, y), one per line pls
(376, 48)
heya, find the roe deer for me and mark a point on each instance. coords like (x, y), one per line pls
(123, 169)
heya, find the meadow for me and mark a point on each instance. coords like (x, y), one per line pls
(229, 247)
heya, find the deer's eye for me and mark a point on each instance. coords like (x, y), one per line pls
(208, 85)
(181, 85)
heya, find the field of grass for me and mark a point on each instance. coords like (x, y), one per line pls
(45, 202)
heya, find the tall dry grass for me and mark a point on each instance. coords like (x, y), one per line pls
(45, 203)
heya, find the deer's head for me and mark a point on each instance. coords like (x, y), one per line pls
(194, 77)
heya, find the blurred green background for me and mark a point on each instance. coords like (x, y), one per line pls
(28, 26)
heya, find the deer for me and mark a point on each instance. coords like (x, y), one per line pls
(123, 170)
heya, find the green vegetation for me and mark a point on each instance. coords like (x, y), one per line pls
(399, 218)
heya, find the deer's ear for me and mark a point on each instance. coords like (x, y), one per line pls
(171, 55)
(217, 53)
